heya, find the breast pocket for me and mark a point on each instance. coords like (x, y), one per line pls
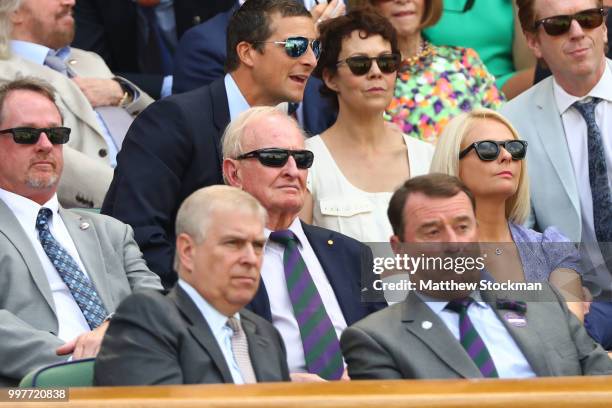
(350, 216)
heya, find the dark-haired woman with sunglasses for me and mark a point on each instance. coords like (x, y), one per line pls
(434, 83)
(484, 151)
(360, 159)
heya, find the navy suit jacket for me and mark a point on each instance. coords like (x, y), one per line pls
(345, 261)
(200, 59)
(171, 150)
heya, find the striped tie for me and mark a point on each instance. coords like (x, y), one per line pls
(321, 346)
(471, 340)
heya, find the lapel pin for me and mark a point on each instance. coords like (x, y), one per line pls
(84, 225)
(72, 61)
(426, 325)
(330, 242)
(515, 319)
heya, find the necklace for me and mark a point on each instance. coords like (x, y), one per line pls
(424, 50)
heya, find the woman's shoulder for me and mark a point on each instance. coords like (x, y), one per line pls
(524, 234)
(466, 56)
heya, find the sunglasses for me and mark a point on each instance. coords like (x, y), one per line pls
(489, 150)
(274, 157)
(360, 64)
(558, 25)
(26, 135)
(295, 47)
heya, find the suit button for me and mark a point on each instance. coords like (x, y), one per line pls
(197, 20)
(102, 152)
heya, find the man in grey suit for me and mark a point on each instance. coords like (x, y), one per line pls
(98, 106)
(200, 332)
(62, 272)
(567, 120)
(463, 333)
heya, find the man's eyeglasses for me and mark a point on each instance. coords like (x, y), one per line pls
(489, 150)
(558, 25)
(361, 64)
(27, 135)
(274, 157)
(295, 47)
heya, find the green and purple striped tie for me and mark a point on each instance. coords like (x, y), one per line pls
(321, 347)
(471, 340)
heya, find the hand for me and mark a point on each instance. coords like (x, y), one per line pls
(345, 376)
(100, 92)
(86, 345)
(588, 298)
(325, 11)
(305, 377)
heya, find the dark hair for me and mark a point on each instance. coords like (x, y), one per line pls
(335, 30)
(33, 84)
(527, 15)
(431, 14)
(431, 185)
(251, 23)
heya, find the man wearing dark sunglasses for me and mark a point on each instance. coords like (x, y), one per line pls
(264, 155)
(63, 271)
(567, 120)
(172, 148)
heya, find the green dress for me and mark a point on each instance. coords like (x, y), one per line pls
(488, 27)
(439, 85)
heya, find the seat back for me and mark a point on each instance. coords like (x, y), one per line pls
(78, 373)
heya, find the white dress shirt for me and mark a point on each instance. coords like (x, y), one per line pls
(217, 323)
(576, 136)
(273, 275)
(235, 100)
(70, 319)
(507, 356)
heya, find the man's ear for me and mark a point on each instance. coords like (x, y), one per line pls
(17, 17)
(395, 244)
(245, 53)
(231, 173)
(185, 247)
(533, 43)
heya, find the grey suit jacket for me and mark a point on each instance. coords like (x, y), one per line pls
(28, 322)
(156, 339)
(392, 343)
(87, 172)
(554, 190)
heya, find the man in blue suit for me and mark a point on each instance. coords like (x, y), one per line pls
(172, 149)
(567, 120)
(200, 58)
(311, 286)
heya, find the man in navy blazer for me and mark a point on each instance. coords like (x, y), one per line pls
(263, 154)
(172, 148)
(200, 56)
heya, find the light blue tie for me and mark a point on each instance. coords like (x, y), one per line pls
(83, 291)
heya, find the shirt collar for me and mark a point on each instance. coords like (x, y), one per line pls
(215, 319)
(602, 90)
(295, 227)
(25, 209)
(438, 305)
(36, 52)
(235, 100)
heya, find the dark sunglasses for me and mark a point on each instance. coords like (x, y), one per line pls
(274, 157)
(26, 135)
(488, 150)
(361, 64)
(558, 25)
(295, 47)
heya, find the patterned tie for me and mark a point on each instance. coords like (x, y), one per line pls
(321, 346)
(598, 172)
(240, 348)
(83, 291)
(471, 340)
(57, 64)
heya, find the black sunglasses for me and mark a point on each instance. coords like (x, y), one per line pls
(361, 64)
(295, 47)
(488, 150)
(274, 157)
(558, 25)
(27, 135)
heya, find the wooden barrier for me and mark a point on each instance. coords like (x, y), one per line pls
(560, 392)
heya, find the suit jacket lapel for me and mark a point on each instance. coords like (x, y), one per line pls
(527, 337)
(11, 228)
(83, 233)
(258, 349)
(550, 126)
(438, 338)
(200, 330)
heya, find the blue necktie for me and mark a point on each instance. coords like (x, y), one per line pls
(598, 172)
(83, 291)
